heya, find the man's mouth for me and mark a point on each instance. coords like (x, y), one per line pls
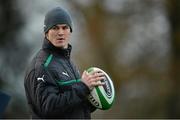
(60, 39)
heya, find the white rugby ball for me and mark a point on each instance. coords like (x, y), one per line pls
(102, 97)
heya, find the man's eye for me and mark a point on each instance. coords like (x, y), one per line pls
(65, 27)
(55, 28)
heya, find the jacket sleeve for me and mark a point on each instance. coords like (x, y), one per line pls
(47, 98)
(92, 108)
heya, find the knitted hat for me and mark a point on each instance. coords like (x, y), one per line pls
(57, 16)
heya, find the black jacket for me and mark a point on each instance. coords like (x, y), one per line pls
(53, 87)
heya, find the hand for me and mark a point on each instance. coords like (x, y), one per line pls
(92, 79)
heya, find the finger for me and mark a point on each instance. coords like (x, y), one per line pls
(100, 84)
(99, 74)
(85, 73)
(94, 72)
(97, 79)
(97, 83)
(96, 75)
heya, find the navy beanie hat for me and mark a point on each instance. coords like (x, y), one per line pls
(57, 16)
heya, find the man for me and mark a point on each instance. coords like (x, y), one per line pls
(53, 85)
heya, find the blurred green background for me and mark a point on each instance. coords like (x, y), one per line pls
(137, 42)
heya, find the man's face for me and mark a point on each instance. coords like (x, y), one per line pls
(59, 35)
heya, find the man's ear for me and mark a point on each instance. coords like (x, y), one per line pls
(46, 35)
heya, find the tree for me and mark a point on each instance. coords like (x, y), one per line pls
(13, 56)
(173, 8)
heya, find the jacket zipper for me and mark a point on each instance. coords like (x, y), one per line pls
(71, 68)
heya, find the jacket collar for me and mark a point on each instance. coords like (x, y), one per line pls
(60, 51)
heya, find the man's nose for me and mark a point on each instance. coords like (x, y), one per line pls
(60, 31)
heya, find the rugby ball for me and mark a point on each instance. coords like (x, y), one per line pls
(102, 97)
